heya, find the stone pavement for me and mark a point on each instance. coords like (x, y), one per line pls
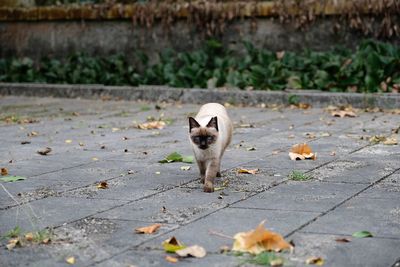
(355, 185)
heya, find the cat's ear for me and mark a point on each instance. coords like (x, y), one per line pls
(213, 123)
(193, 124)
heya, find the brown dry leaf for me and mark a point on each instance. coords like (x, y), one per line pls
(102, 185)
(45, 151)
(4, 171)
(70, 260)
(259, 240)
(152, 125)
(171, 259)
(248, 171)
(148, 229)
(316, 261)
(303, 105)
(29, 236)
(192, 251)
(14, 242)
(392, 140)
(301, 152)
(33, 133)
(376, 139)
(343, 113)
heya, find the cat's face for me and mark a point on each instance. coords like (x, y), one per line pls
(203, 137)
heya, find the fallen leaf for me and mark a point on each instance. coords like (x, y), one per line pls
(224, 249)
(13, 242)
(187, 159)
(251, 149)
(33, 133)
(301, 152)
(25, 142)
(171, 259)
(310, 135)
(131, 171)
(45, 151)
(303, 105)
(4, 171)
(171, 245)
(148, 229)
(192, 251)
(248, 171)
(315, 261)
(115, 130)
(29, 236)
(392, 140)
(259, 240)
(95, 159)
(152, 125)
(157, 172)
(102, 185)
(342, 114)
(185, 168)
(76, 114)
(81, 144)
(12, 178)
(362, 234)
(70, 260)
(333, 153)
(266, 259)
(342, 240)
(68, 141)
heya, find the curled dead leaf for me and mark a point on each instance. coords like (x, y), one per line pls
(315, 261)
(248, 171)
(45, 151)
(33, 133)
(171, 259)
(29, 236)
(342, 240)
(301, 152)
(4, 171)
(152, 125)
(259, 240)
(192, 251)
(102, 185)
(148, 229)
(14, 242)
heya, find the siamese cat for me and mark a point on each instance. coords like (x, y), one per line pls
(210, 132)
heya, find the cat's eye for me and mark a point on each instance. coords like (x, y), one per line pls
(209, 138)
(196, 139)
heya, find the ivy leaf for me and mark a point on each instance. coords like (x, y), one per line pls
(362, 234)
(12, 178)
(188, 159)
(173, 157)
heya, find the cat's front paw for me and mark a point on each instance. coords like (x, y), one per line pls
(208, 187)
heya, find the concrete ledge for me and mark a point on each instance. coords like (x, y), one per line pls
(199, 96)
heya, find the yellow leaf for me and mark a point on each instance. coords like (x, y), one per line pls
(248, 171)
(301, 152)
(4, 171)
(95, 159)
(102, 185)
(68, 141)
(391, 140)
(152, 125)
(259, 240)
(70, 260)
(193, 251)
(316, 261)
(171, 259)
(171, 245)
(148, 229)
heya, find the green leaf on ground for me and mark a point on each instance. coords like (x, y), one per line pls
(362, 234)
(172, 245)
(267, 259)
(176, 157)
(12, 178)
(188, 159)
(13, 233)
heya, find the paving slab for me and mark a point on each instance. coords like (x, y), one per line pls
(355, 184)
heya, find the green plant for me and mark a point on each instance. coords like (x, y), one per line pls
(299, 176)
(13, 233)
(373, 67)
